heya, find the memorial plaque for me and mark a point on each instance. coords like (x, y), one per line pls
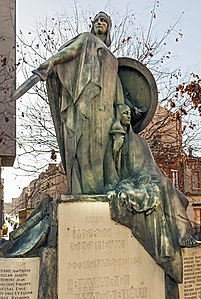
(100, 259)
(191, 287)
(19, 278)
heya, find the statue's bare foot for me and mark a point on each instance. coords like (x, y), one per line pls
(188, 241)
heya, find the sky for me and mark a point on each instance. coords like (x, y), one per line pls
(186, 52)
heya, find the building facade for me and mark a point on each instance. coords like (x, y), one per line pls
(192, 189)
(7, 85)
(7, 81)
(52, 182)
(164, 134)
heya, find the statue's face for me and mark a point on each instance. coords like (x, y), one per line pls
(126, 117)
(100, 26)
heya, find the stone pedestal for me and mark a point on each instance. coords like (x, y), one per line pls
(48, 274)
(19, 278)
(98, 258)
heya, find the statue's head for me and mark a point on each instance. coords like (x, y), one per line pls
(102, 25)
(124, 114)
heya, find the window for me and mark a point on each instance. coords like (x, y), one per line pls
(175, 178)
(195, 180)
(197, 221)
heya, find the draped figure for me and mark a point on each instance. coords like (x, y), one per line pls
(143, 199)
(83, 87)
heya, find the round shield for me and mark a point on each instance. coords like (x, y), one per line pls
(140, 91)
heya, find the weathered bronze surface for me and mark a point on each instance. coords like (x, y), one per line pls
(140, 91)
(98, 104)
(36, 232)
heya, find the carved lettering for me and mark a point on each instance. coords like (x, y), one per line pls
(92, 233)
(91, 283)
(113, 294)
(99, 259)
(94, 219)
(16, 278)
(102, 263)
(191, 288)
(99, 245)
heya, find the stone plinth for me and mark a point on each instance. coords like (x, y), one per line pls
(191, 287)
(19, 278)
(98, 258)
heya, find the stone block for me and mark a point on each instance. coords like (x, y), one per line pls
(19, 278)
(99, 258)
(191, 287)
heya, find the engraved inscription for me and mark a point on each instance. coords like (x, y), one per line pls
(99, 245)
(104, 287)
(99, 259)
(91, 283)
(92, 233)
(113, 294)
(16, 280)
(107, 262)
(191, 288)
(94, 219)
(102, 238)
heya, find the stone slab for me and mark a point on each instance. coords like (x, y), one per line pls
(19, 278)
(100, 259)
(191, 287)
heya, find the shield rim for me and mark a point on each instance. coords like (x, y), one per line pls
(142, 123)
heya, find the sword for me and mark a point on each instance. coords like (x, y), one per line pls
(22, 89)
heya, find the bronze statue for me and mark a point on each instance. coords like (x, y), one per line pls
(98, 104)
(84, 85)
(83, 88)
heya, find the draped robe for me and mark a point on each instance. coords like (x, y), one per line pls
(82, 91)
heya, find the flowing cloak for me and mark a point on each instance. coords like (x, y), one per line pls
(157, 217)
(82, 91)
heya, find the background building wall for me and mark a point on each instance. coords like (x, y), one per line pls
(7, 81)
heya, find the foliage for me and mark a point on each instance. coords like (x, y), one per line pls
(192, 90)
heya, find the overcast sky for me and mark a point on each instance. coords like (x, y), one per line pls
(186, 53)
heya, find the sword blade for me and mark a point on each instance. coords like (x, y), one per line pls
(22, 89)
